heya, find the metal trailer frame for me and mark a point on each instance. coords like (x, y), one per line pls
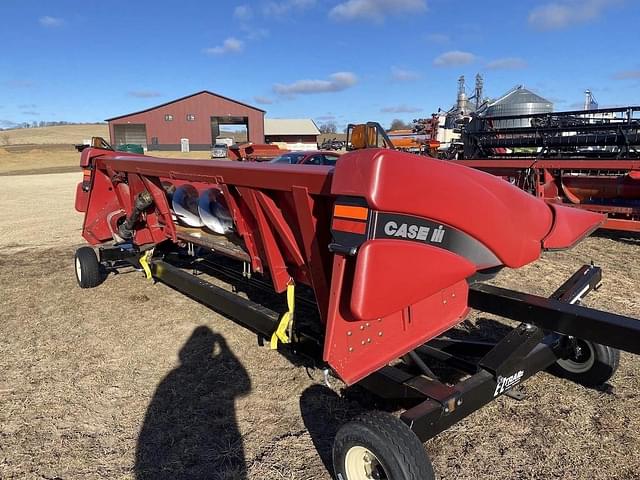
(547, 333)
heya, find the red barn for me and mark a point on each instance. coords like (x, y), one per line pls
(195, 120)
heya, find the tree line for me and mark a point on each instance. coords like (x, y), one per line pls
(396, 124)
(43, 123)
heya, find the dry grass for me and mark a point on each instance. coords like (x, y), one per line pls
(51, 149)
(134, 380)
(29, 159)
(41, 158)
(63, 134)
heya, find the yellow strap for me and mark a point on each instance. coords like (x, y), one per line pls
(287, 318)
(144, 262)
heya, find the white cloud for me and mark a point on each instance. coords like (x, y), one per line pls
(454, 58)
(230, 45)
(375, 10)
(262, 100)
(337, 82)
(52, 22)
(255, 33)
(558, 15)
(144, 93)
(438, 38)
(403, 75)
(508, 63)
(243, 12)
(283, 8)
(400, 109)
(627, 75)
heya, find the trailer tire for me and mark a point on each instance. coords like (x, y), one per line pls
(89, 272)
(593, 367)
(379, 445)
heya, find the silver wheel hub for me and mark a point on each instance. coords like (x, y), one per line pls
(582, 361)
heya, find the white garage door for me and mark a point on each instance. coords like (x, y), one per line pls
(130, 133)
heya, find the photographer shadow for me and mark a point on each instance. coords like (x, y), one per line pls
(190, 429)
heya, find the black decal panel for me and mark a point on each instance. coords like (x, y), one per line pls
(405, 227)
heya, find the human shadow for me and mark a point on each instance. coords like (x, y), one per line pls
(323, 412)
(190, 429)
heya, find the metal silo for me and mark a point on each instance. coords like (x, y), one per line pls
(518, 101)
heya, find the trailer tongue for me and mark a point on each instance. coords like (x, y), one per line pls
(393, 247)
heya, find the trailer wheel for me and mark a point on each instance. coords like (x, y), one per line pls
(89, 273)
(378, 446)
(590, 364)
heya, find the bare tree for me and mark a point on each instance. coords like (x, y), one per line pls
(398, 124)
(5, 138)
(328, 127)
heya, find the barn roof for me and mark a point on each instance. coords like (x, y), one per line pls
(290, 126)
(185, 98)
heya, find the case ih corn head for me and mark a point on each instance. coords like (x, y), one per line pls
(394, 248)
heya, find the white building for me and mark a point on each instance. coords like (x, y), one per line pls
(291, 133)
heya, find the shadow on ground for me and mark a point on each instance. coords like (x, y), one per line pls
(190, 429)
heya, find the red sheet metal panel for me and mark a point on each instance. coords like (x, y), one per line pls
(508, 221)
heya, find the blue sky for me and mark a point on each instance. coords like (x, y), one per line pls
(331, 60)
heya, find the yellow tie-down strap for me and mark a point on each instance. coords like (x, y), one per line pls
(287, 318)
(144, 263)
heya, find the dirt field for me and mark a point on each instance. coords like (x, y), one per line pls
(120, 382)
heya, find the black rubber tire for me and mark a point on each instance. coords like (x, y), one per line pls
(89, 272)
(395, 446)
(606, 361)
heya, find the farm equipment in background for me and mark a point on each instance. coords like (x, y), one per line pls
(254, 152)
(589, 159)
(389, 256)
(367, 135)
(332, 144)
(408, 141)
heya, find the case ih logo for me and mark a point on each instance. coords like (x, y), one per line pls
(414, 232)
(505, 383)
(431, 233)
(407, 227)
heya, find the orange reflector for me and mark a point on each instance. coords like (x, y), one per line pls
(349, 226)
(351, 211)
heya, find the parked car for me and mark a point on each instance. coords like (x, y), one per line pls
(219, 150)
(332, 144)
(311, 157)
